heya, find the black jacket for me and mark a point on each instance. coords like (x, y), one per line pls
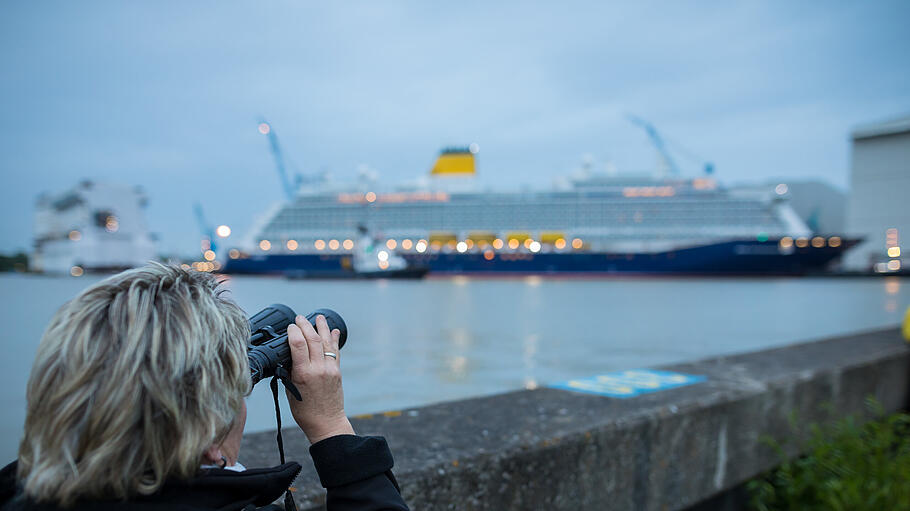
(355, 470)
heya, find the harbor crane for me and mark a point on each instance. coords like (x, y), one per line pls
(266, 129)
(208, 234)
(668, 163)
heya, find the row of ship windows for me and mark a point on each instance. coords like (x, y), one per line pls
(495, 212)
(536, 220)
(500, 209)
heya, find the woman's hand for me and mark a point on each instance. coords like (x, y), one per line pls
(318, 378)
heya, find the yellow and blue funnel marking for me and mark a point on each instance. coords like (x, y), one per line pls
(454, 163)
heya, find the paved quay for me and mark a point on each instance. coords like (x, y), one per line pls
(551, 448)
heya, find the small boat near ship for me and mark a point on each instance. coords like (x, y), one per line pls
(366, 261)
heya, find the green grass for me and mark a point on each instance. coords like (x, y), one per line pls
(850, 464)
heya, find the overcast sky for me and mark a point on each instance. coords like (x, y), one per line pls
(167, 94)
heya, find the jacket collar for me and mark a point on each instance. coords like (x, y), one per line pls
(212, 489)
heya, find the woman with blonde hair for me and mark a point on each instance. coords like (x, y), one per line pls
(136, 401)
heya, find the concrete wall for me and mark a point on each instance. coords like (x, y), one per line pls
(879, 191)
(557, 449)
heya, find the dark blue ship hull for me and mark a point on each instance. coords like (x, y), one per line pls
(747, 257)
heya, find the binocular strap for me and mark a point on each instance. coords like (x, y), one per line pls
(285, 378)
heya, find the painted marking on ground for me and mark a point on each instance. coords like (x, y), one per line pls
(631, 383)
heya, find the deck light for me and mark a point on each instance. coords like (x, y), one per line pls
(223, 231)
(462, 247)
(319, 244)
(76, 271)
(75, 235)
(406, 244)
(391, 244)
(421, 246)
(513, 243)
(348, 244)
(497, 243)
(111, 224)
(233, 253)
(818, 242)
(834, 241)
(383, 255)
(209, 255)
(534, 246)
(292, 244)
(577, 243)
(802, 242)
(265, 245)
(786, 242)
(333, 244)
(894, 252)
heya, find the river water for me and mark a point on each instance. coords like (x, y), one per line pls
(420, 342)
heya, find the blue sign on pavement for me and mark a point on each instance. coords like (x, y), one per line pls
(630, 383)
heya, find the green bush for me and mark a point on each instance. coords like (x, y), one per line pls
(848, 464)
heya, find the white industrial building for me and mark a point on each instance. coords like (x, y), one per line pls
(92, 226)
(879, 204)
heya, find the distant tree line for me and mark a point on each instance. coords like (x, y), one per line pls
(16, 262)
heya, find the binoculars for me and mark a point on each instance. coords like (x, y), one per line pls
(268, 347)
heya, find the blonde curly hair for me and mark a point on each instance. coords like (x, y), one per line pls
(134, 378)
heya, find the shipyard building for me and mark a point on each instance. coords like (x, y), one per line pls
(878, 209)
(93, 226)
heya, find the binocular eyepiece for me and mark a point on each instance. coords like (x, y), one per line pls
(268, 346)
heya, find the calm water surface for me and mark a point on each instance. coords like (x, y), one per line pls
(414, 343)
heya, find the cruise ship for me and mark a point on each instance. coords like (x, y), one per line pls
(93, 226)
(591, 224)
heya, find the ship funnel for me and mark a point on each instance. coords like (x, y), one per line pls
(455, 162)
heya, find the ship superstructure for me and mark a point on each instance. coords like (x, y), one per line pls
(594, 223)
(93, 226)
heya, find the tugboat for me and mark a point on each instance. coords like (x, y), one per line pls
(367, 261)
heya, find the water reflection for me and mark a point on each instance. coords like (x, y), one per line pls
(529, 360)
(456, 364)
(892, 288)
(457, 368)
